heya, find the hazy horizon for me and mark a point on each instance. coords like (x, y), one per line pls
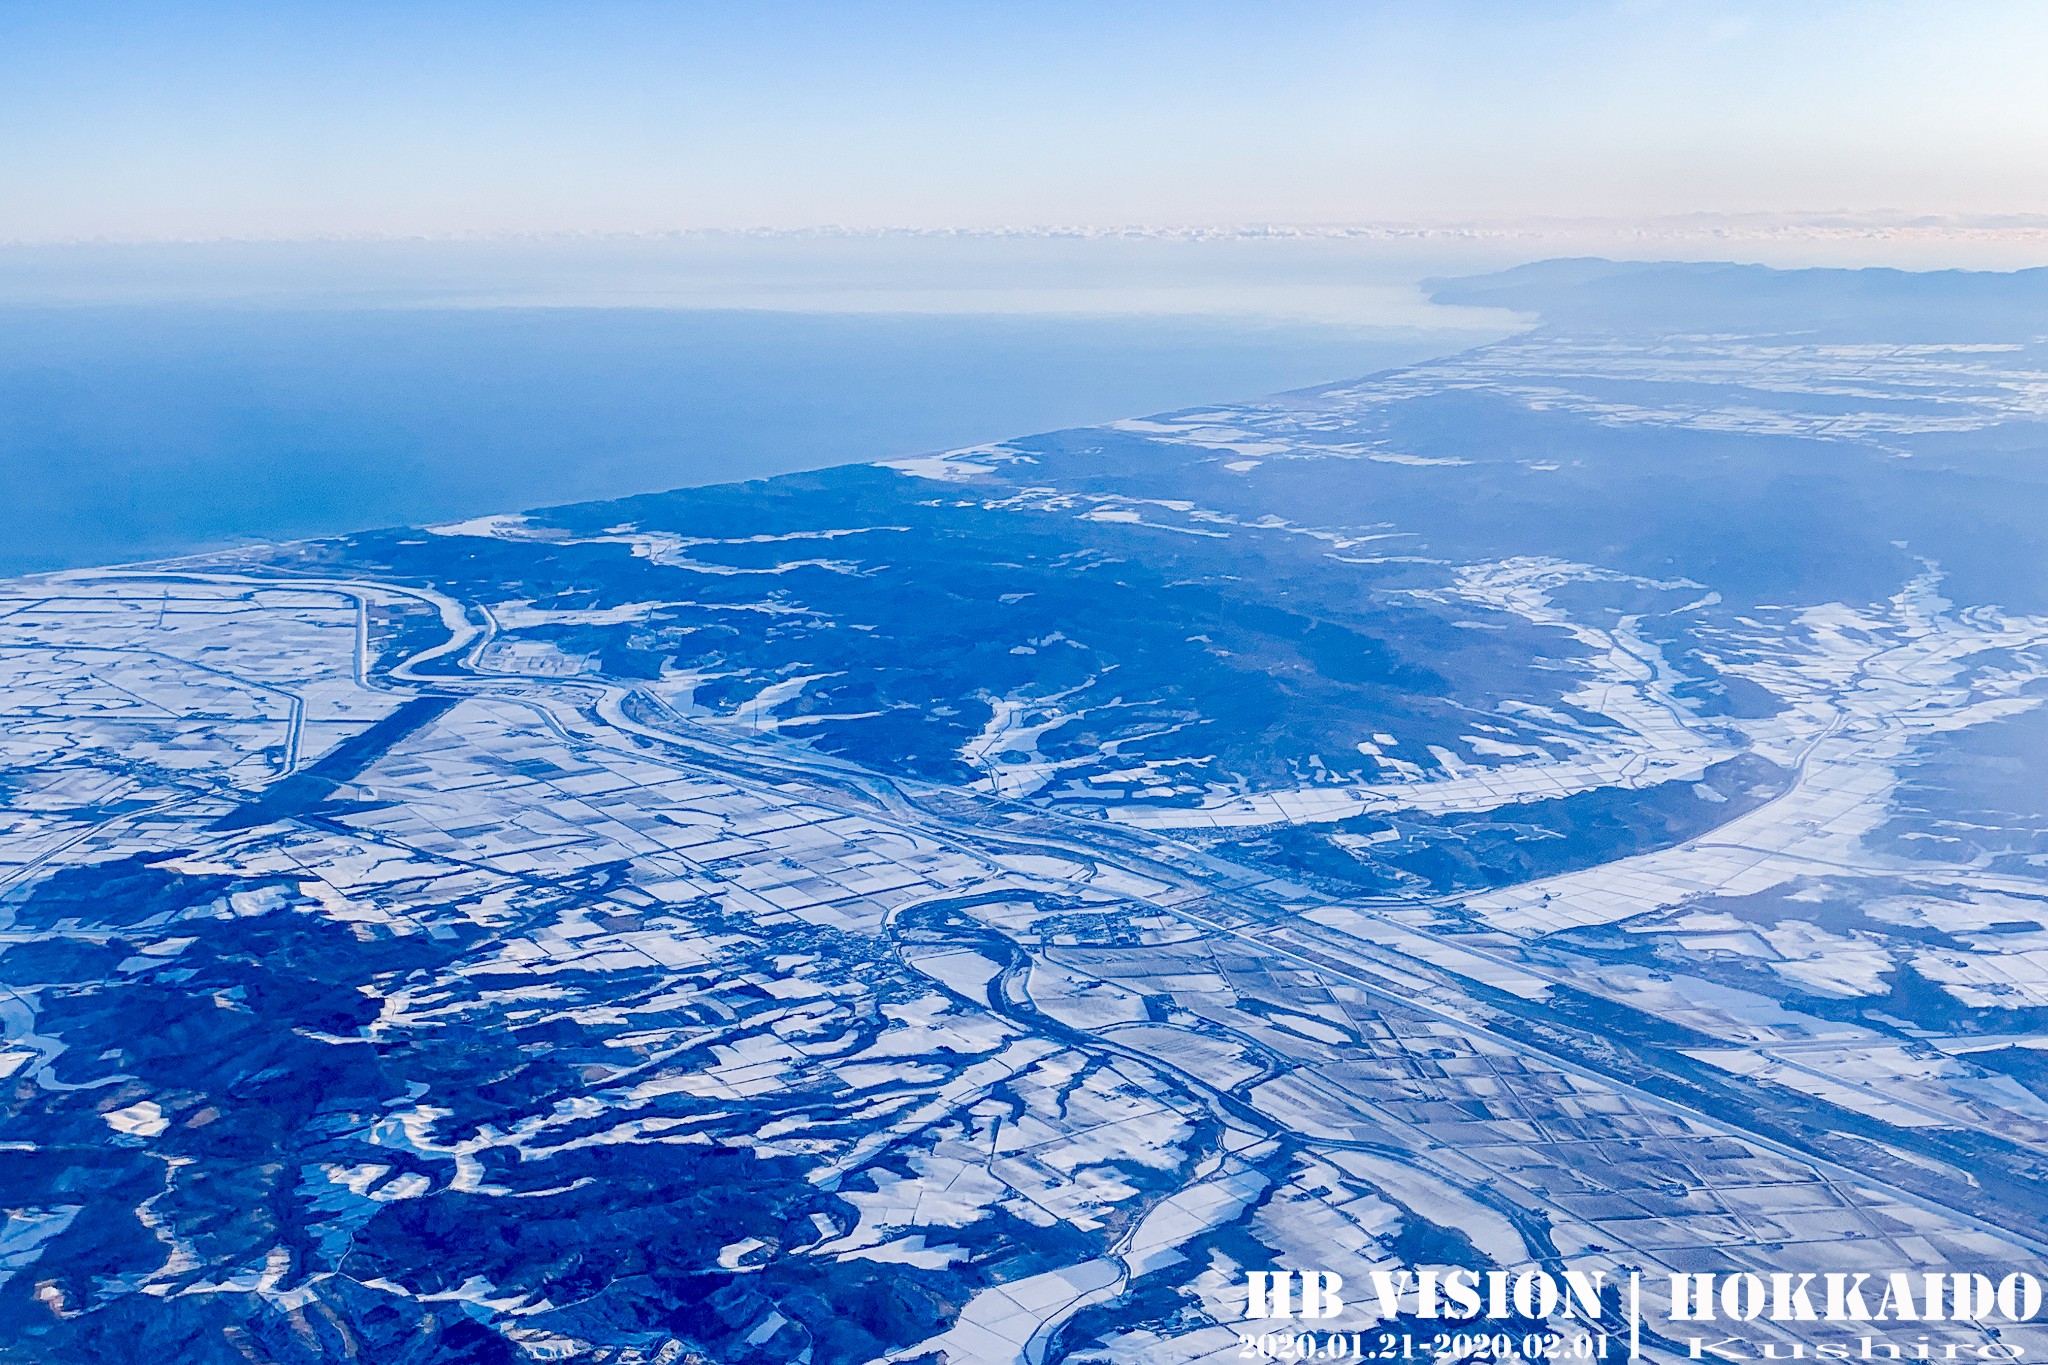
(227, 118)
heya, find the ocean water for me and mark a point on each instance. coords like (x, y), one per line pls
(131, 432)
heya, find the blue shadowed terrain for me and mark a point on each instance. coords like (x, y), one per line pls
(1576, 802)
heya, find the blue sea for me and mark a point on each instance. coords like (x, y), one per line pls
(134, 432)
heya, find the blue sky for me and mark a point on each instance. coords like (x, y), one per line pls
(202, 119)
